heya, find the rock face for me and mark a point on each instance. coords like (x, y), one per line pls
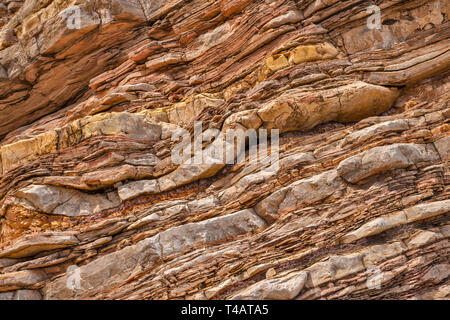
(350, 201)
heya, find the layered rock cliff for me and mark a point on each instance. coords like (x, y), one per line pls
(93, 205)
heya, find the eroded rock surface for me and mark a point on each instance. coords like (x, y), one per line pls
(96, 96)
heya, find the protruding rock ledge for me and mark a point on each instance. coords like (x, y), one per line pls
(131, 125)
(419, 212)
(385, 158)
(210, 231)
(305, 191)
(118, 266)
(284, 288)
(24, 294)
(133, 189)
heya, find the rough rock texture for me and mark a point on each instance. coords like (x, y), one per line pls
(93, 206)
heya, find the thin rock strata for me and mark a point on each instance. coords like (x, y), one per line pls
(95, 97)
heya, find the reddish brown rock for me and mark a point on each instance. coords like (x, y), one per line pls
(96, 97)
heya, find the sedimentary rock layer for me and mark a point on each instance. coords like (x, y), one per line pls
(350, 202)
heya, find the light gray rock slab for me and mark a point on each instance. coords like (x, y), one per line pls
(192, 235)
(285, 288)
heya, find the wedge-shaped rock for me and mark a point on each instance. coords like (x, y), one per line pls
(192, 235)
(21, 279)
(143, 221)
(66, 202)
(304, 191)
(293, 111)
(32, 244)
(285, 288)
(385, 158)
(169, 59)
